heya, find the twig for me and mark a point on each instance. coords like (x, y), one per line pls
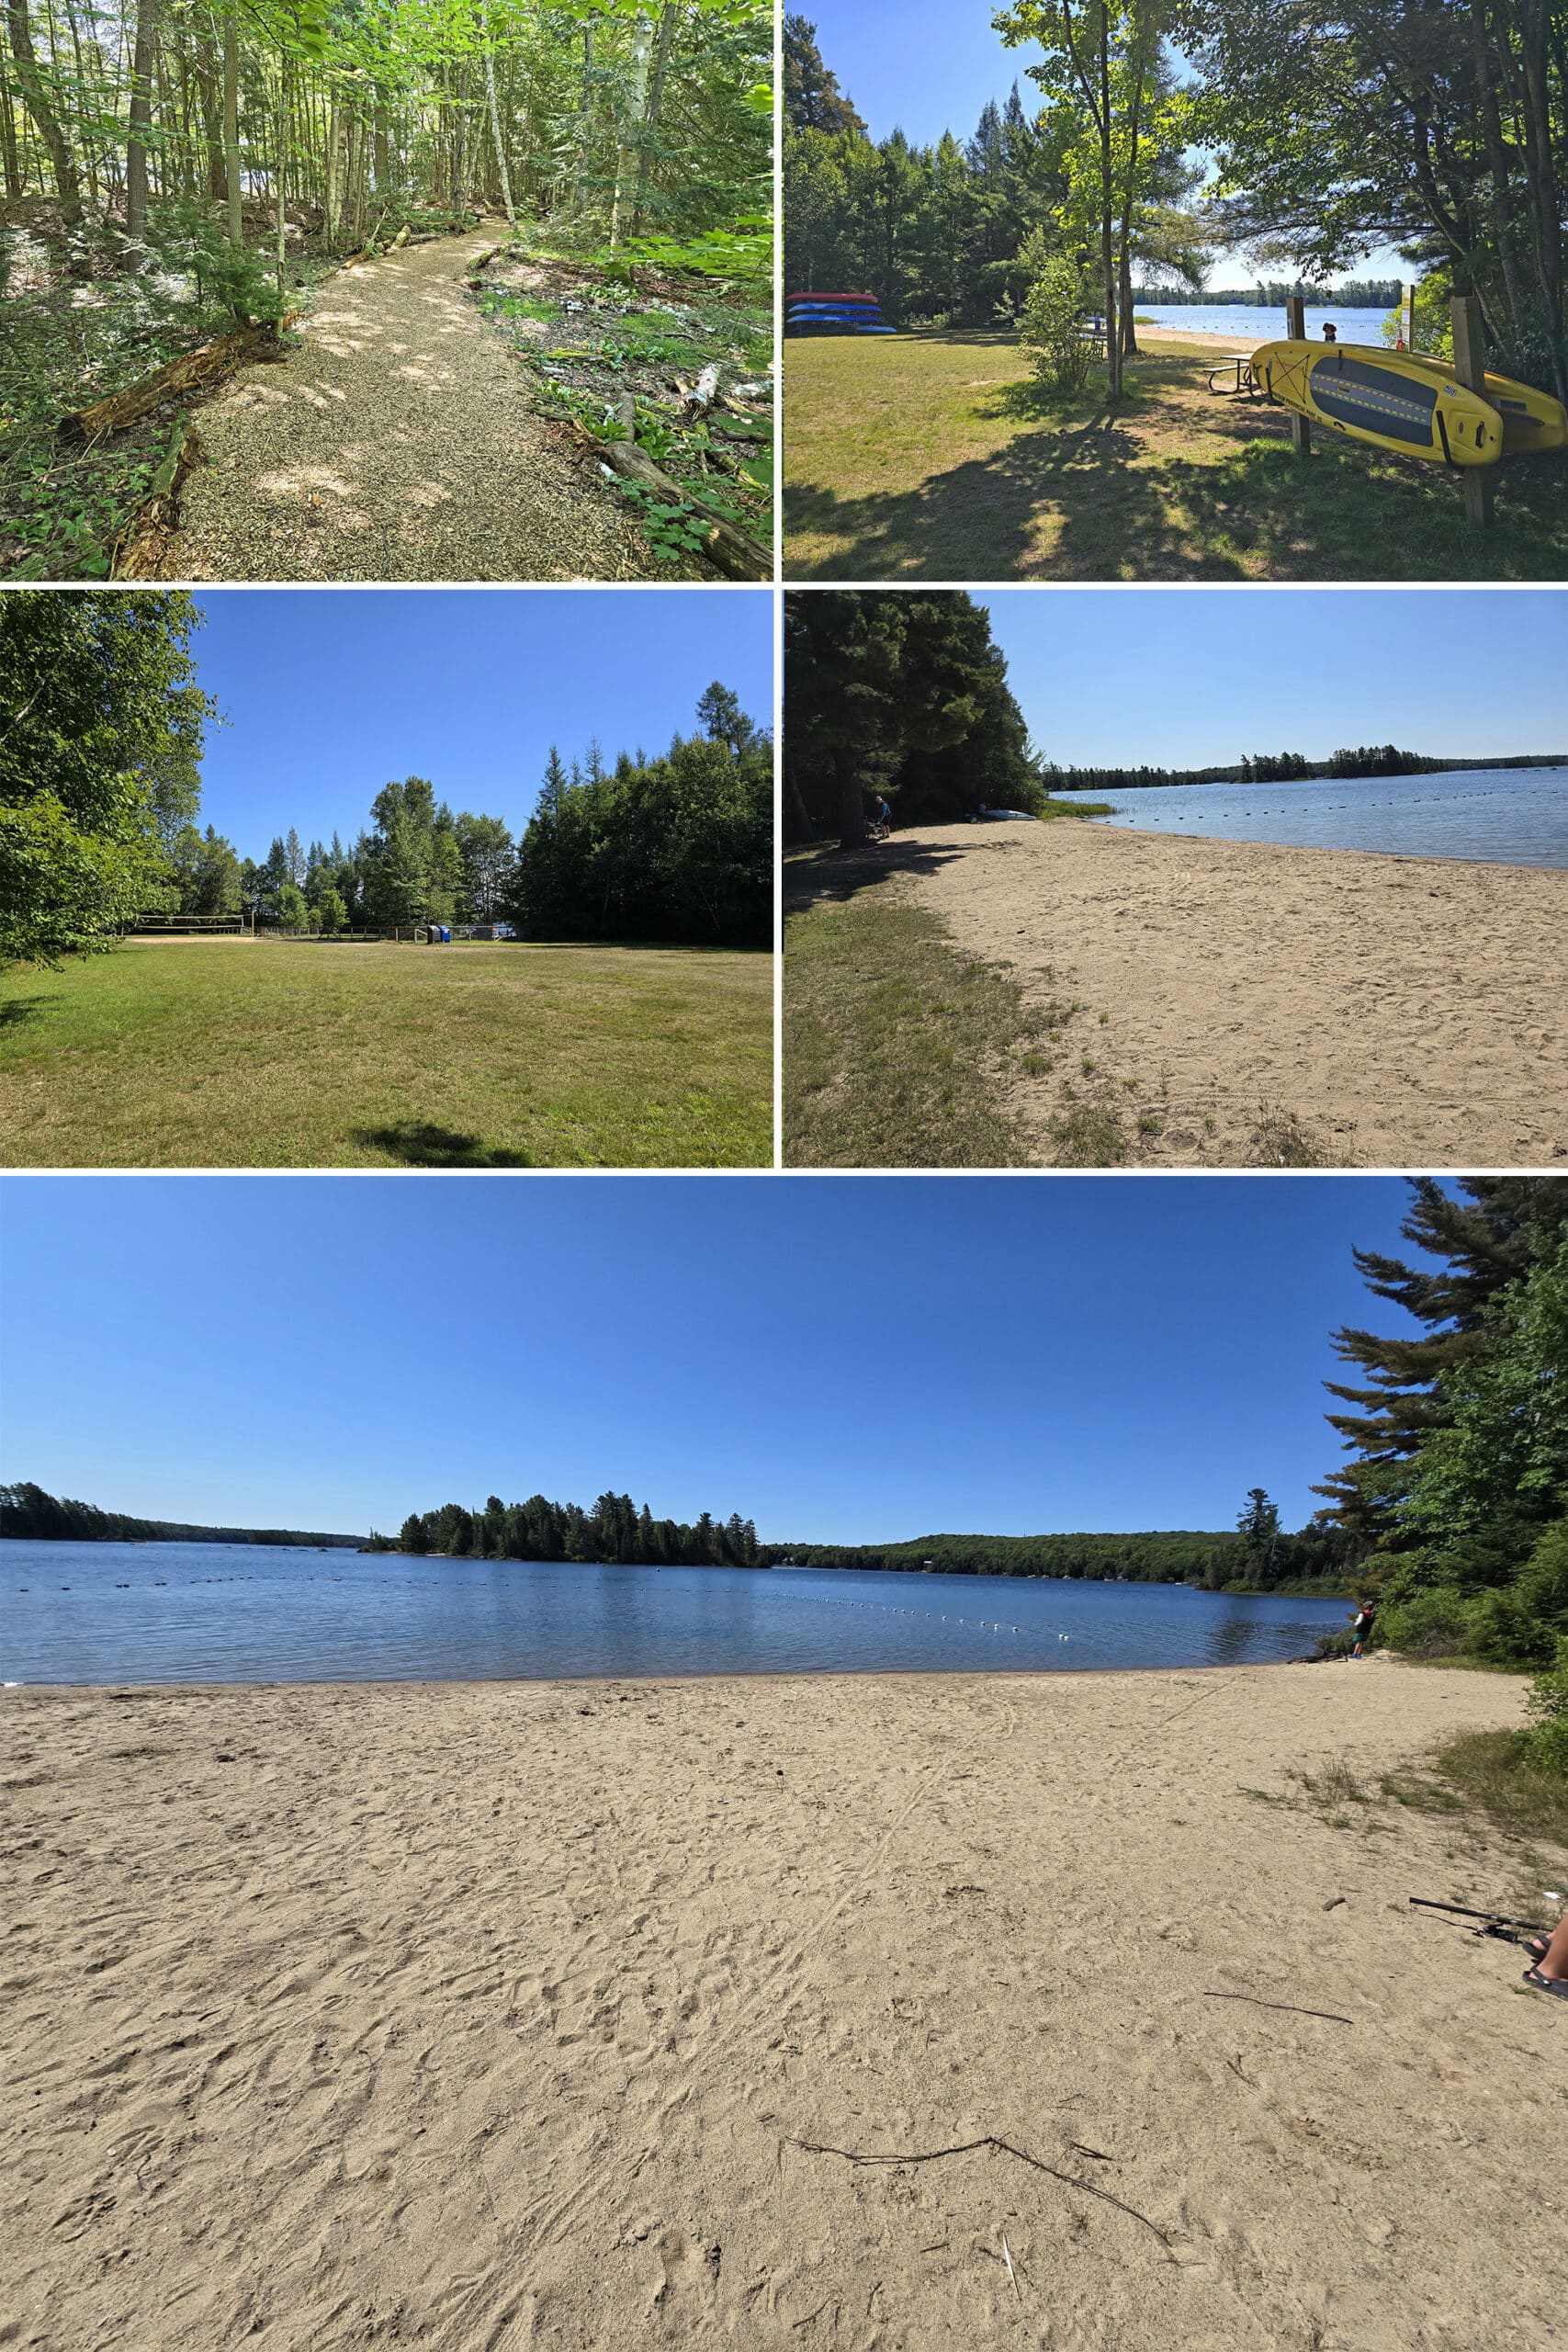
(967, 2148)
(1006, 2257)
(1332, 2016)
(1097, 2153)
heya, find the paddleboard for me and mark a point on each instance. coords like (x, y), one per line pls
(1532, 420)
(1383, 397)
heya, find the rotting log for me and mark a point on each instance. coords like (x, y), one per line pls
(194, 371)
(486, 255)
(729, 550)
(138, 549)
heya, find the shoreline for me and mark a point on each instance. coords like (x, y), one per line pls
(520, 2014)
(1366, 1009)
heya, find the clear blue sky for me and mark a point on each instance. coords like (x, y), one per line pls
(1193, 677)
(331, 693)
(835, 1357)
(927, 66)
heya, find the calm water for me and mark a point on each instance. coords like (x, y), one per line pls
(222, 1612)
(1252, 325)
(1501, 816)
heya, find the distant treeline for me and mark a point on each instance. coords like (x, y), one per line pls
(677, 846)
(1259, 1558)
(616, 1531)
(1370, 294)
(1281, 767)
(26, 1510)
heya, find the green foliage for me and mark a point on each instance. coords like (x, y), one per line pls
(1051, 327)
(1548, 1704)
(614, 1533)
(28, 1513)
(742, 252)
(678, 847)
(905, 694)
(98, 763)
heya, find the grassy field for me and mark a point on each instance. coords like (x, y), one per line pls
(292, 1055)
(935, 456)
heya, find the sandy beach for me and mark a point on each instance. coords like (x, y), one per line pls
(478, 2016)
(1400, 1012)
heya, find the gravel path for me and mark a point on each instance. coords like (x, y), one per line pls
(398, 442)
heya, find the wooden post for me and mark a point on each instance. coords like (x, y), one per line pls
(1407, 316)
(1470, 368)
(1295, 329)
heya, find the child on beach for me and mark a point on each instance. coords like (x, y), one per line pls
(1362, 1626)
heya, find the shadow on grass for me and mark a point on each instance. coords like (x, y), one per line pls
(18, 1011)
(421, 1144)
(823, 874)
(1117, 503)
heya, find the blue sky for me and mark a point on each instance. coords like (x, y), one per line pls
(332, 693)
(1193, 677)
(929, 65)
(835, 1357)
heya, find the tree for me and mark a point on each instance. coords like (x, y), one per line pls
(812, 98)
(485, 856)
(1258, 1527)
(99, 758)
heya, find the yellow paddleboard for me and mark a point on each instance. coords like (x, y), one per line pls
(1532, 420)
(1383, 397)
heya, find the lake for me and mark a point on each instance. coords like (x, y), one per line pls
(227, 1613)
(1500, 816)
(1251, 325)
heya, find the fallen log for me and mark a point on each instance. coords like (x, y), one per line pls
(138, 549)
(194, 371)
(732, 552)
(486, 254)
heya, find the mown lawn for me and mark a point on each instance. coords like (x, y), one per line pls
(293, 1055)
(934, 456)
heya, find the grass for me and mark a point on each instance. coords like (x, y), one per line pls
(293, 1055)
(934, 456)
(892, 1040)
(1487, 1774)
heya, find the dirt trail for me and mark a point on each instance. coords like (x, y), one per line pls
(398, 442)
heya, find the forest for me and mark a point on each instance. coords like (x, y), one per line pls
(1330, 133)
(1258, 767)
(27, 1511)
(614, 1533)
(172, 174)
(902, 694)
(100, 795)
(1457, 1438)
(1258, 1557)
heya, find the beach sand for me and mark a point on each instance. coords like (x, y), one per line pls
(1402, 1013)
(479, 2017)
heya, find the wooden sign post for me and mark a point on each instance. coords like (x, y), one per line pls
(1295, 329)
(1469, 367)
(1407, 316)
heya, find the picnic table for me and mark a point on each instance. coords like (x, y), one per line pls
(1238, 365)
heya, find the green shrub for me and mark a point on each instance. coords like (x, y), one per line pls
(1058, 352)
(1548, 1704)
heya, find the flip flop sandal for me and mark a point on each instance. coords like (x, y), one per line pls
(1536, 1944)
(1558, 1985)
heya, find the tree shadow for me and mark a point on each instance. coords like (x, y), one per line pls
(16, 1011)
(1107, 496)
(422, 1144)
(826, 876)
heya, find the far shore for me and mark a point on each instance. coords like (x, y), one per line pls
(602, 2013)
(1353, 1009)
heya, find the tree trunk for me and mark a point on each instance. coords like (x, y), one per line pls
(1497, 163)
(279, 172)
(140, 122)
(232, 184)
(642, 42)
(67, 182)
(495, 125)
(1108, 209)
(655, 107)
(586, 136)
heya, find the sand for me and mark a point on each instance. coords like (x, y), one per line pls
(1386, 1011)
(478, 2016)
(400, 441)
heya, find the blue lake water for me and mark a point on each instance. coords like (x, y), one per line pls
(1253, 324)
(223, 1612)
(1500, 816)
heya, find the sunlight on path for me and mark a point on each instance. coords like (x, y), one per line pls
(397, 443)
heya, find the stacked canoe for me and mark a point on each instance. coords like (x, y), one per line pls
(834, 314)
